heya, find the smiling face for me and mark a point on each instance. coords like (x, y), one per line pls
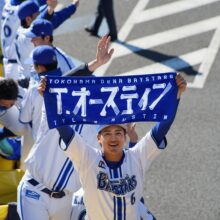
(112, 140)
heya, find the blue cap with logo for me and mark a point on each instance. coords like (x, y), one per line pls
(101, 127)
(43, 55)
(27, 8)
(40, 27)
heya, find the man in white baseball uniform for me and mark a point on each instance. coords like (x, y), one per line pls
(9, 25)
(46, 189)
(9, 116)
(28, 11)
(113, 178)
(11, 96)
(30, 112)
(41, 33)
(78, 206)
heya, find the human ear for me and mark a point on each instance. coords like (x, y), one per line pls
(28, 20)
(98, 138)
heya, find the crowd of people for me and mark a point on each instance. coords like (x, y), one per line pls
(60, 170)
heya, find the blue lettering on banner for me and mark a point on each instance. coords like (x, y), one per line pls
(109, 100)
(32, 194)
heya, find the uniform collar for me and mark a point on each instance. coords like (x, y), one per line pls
(113, 165)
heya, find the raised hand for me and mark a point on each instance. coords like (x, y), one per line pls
(181, 83)
(132, 134)
(104, 54)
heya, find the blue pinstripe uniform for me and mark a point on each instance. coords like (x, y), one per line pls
(50, 178)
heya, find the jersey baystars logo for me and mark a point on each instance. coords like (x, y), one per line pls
(116, 186)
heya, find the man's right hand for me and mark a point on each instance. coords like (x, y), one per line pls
(42, 85)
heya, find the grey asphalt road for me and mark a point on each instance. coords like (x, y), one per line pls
(184, 182)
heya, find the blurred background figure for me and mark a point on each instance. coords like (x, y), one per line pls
(105, 9)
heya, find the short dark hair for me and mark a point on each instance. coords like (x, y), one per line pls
(8, 89)
(49, 67)
(24, 24)
(51, 38)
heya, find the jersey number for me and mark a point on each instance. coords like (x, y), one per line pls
(7, 31)
(133, 199)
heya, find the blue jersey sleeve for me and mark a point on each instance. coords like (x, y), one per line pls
(66, 134)
(81, 70)
(160, 130)
(57, 18)
(131, 144)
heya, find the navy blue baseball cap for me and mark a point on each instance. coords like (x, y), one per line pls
(16, 2)
(43, 55)
(41, 2)
(27, 8)
(40, 27)
(101, 127)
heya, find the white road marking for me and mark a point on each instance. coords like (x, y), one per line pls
(193, 58)
(124, 32)
(170, 9)
(204, 56)
(129, 24)
(209, 59)
(167, 36)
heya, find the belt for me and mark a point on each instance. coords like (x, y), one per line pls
(12, 61)
(54, 194)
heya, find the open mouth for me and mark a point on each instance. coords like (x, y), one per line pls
(113, 145)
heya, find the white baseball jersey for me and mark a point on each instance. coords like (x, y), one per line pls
(48, 165)
(65, 63)
(32, 104)
(79, 209)
(30, 115)
(10, 119)
(9, 25)
(24, 48)
(31, 110)
(26, 69)
(1, 5)
(112, 192)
